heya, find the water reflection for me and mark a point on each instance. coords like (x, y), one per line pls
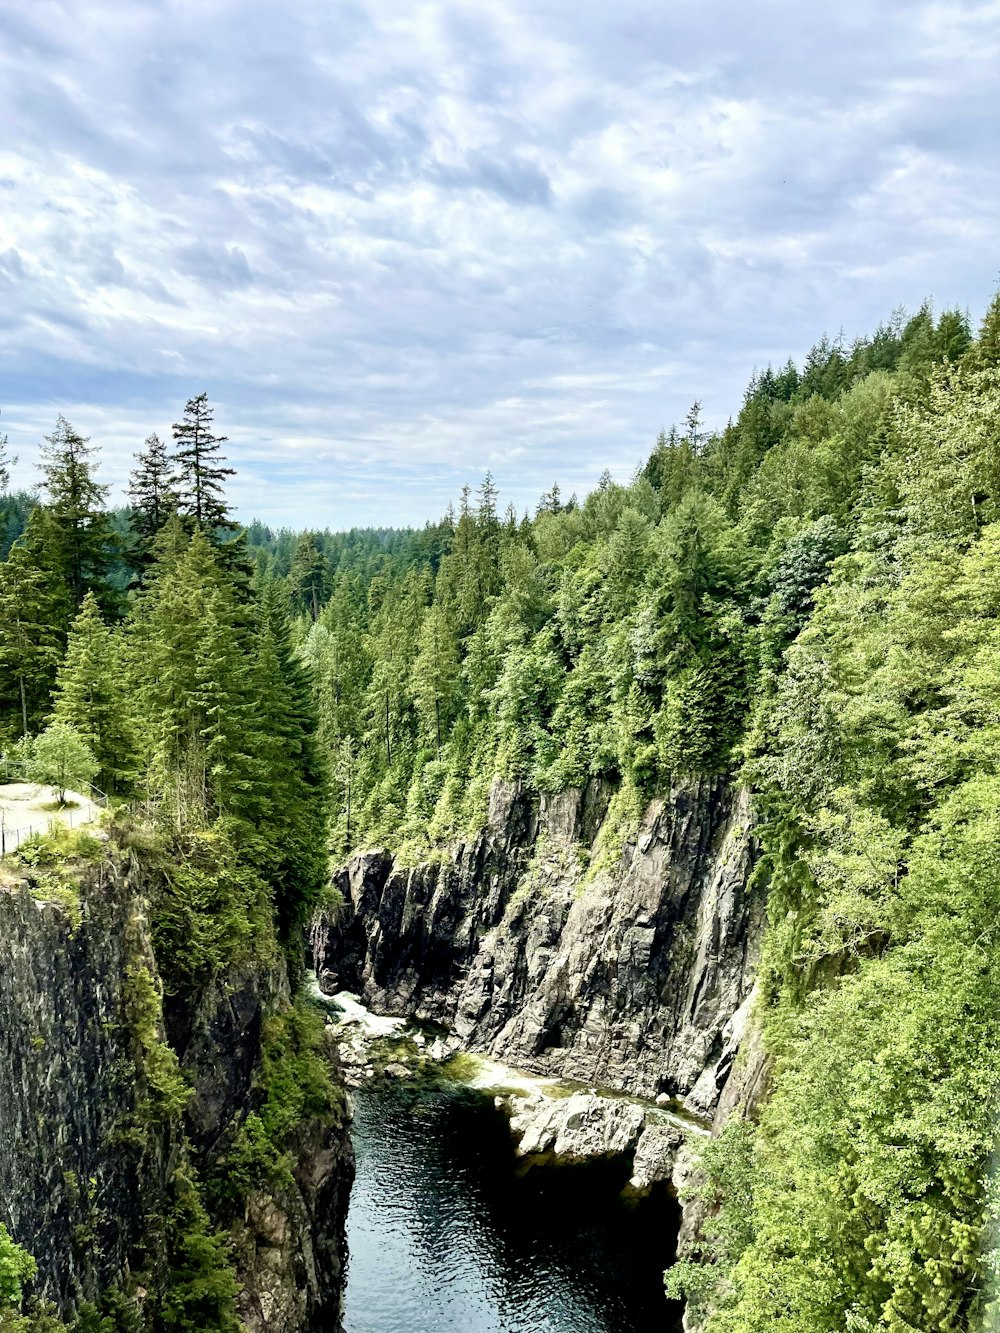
(446, 1234)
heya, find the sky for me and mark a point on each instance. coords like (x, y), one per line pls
(400, 243)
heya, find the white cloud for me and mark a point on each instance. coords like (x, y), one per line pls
(398, 243)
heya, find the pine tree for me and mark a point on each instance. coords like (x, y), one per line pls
(309, 576)
(34, 610)
(191, 675)
(200, 476)
(550, 502)
(91, 695)
(436, 674)
(294, 776)
(985, 351)
(6, 463)
(151, 491)
(83, 541)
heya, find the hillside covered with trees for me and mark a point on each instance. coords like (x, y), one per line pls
(806, 600)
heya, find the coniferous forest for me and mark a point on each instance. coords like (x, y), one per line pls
(806, 601)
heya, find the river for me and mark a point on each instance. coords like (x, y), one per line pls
(447, 1234)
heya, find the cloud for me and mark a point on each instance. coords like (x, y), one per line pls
(398, 243)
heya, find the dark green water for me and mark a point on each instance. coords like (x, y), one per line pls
(445, 1233)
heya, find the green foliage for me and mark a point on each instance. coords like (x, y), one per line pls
(166, 1092)
(34, 611)
(809, 593)
(212, 910)
(82, 543)
(201, 1288)
(91, 696)
(295, 1087)
(153, 499)
(16, 1268)
(61, 758)
(200, 476)
(876, 754)
(725, 1188)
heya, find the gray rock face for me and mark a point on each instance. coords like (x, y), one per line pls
(290, 1244)
(656, 1156)
(80, 1171)
(576, 1128)
(629, 979)
(72, 1189)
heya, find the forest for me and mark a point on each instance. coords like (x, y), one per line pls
(806, 600)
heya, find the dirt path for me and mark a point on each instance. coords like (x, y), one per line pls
(26, 808)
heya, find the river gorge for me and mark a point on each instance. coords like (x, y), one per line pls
(447, 1232)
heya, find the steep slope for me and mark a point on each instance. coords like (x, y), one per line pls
(111, 1118)
(636, 976)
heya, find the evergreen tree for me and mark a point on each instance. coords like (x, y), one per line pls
(309, 576)
(83, 542)
(34, 611)
(6, 463)
(188, 649)
(985, 351)
(152, 494)
(294, 774)
(91, 696)
(200, 476)
(436, 674)
(550, 501)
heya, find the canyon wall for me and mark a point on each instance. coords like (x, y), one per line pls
(637, 976)
(88, 1146)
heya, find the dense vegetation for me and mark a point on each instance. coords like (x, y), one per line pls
(145, 656)
(807, 598)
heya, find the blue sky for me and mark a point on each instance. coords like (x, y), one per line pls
(401, 243)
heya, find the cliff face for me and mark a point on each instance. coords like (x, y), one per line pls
(75, 1179)
(85, 1159)
(637, 977)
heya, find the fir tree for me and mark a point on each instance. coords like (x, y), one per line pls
(151, 493)
(34, 611)
(295, 777)
(6, 463)
(309, 576)
(188, 651)
(985, 351)
(83, 542)
(436, 674)
(91, 695)
(200, 476)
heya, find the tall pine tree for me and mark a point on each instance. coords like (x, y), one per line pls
(83, 543)
(34, 610)
(190, 668)
(91, 696)
(152, 495)
(200, 474)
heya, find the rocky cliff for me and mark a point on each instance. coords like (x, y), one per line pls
(88, 1143)
(637, 976)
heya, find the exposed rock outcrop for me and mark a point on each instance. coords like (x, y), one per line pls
(74, 1183)
(586, 1126)
(86, 1160)
(576, 1128)
(632, 978)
